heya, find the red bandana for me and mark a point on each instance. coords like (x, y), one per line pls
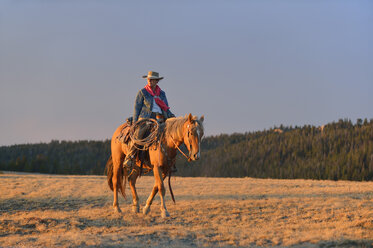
(155, 94)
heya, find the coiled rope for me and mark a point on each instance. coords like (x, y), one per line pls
(143, 143)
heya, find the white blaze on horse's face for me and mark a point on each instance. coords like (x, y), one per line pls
(199, 133)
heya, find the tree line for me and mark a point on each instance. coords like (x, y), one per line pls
(340, 150)
(57, 157)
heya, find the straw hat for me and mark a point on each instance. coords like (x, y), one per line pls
(153, 75)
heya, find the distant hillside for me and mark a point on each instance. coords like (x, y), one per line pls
(57, 157)
(338, 150)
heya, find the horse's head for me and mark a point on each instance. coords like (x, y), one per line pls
(193, 133)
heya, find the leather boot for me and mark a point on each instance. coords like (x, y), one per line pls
(129, 162)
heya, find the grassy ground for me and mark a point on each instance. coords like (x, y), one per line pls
(75, 211)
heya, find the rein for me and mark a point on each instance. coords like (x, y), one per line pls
(187, 157)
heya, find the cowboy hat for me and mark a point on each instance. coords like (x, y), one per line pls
(153, 75)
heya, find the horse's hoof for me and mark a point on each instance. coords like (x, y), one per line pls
(135, 209)
(117, 210)
(165, 214)
(146, 210)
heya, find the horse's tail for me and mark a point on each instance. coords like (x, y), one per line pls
(109, 172)
(121, 173)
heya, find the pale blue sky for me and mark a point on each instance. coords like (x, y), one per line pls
(70, 70)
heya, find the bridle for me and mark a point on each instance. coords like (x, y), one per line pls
(190, 145)
(187, 157)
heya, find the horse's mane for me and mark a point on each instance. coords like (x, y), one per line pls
(174, 126)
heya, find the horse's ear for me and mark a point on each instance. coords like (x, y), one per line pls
(190, 117)
(202, 118)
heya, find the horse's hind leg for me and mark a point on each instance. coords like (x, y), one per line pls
(116, 174)
(135, 199)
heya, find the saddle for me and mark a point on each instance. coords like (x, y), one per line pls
(142, 151)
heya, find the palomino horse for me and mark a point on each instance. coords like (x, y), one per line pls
(162, 157)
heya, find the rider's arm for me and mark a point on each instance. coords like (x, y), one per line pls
(169, 113)
(139, 102)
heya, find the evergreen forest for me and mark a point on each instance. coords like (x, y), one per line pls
(340, 150)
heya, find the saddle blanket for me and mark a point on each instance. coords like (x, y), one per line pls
(124, 135)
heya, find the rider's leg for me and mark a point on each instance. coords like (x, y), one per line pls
(130, 157)
(129, 162)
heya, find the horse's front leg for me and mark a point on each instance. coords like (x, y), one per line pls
(135, 199)
(161, 189)
(150, 199)
(149, 202)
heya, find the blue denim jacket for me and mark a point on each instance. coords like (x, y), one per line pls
(144, 104)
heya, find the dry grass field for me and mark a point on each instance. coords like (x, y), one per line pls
(75, 211)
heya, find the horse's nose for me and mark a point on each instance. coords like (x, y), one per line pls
(196, 156)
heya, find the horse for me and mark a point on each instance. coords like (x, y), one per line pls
(186, 130)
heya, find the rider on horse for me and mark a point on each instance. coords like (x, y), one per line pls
(151, 102)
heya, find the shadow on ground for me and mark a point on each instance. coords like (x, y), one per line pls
(66, 204)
